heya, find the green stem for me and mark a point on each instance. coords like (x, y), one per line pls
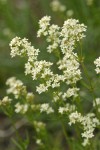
(66, 136)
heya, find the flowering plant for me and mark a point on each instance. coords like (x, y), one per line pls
(60, 81)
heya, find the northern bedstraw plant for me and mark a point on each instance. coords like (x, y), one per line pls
(62, 85)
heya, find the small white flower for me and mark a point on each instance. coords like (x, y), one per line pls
(70, 13)
(16, 87)
(43, 24)
(21, 108)
(46, 108)
(74, 117)
(71, 92)
(97, 63)
(38, 142)
(68, 108)
(5, 101)
(57, 6)
(96, 104)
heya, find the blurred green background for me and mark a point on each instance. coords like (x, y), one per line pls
(20, 18)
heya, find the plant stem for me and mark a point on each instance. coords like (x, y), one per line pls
(66, 136)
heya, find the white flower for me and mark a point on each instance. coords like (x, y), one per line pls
(85, 142)
(40, 69)
(28, 68)
(53, 37)
(68, 108)
(39, 126)
(16, 87)
(70, 67)
(5, 101)
(96, 104)
(38, 142)
(71, 92)
(43, 24)
(41, 88)
(74, 117)
(56, 80)
(97, 63)
(57, 6)
(23, 47)
(61, 110)
(32, 53)
(21, 108)
(18, 46)
(89, 123)
(46, 108)
(70, 13)
(56, 96)
(74, 32)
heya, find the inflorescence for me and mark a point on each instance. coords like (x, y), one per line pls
(62, 41)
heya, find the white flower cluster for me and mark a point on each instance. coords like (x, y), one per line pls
(51, 31)
(54, 81)
(5, 101)
(70, 67)
(69, 63)
(38, 69)
(42, 69)
(97, 63)
(22, 47)
(74, 117)
(71, 92)
(16, 87)
(57, 6)
(66, 109)
(65, 38)
(71, 32)
(18, 46)
(43, 24)
(96, 104)
(57, 96)
(88, 122)
(63, 41)
(46, 108)
(39, 125)
(53, 37)
(21, 108)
